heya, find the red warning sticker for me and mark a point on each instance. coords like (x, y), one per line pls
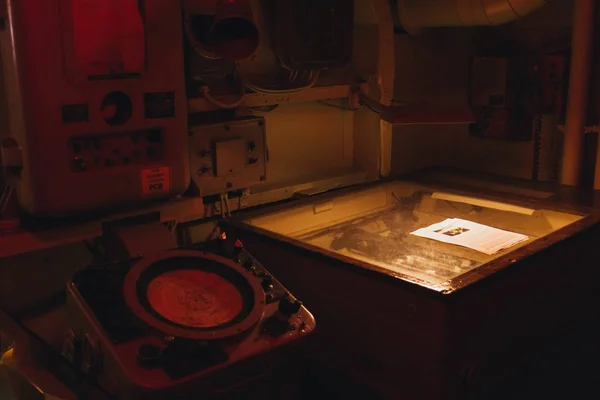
(156, 181)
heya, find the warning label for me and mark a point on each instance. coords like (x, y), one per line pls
(156, 181)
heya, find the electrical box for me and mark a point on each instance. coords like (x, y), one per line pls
(502, 98)
(314, 34)
(228, 156)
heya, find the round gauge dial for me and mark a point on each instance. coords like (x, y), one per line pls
(193, 294)
(194, 298)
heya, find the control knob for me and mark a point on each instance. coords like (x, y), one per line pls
(289, 306)
(279, 323)
(267, 283)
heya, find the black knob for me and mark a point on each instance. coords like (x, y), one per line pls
(267, 283)
(149, 354)
(289, 306)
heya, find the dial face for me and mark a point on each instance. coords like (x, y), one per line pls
(194, 298)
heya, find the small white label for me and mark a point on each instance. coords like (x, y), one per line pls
(156, 181)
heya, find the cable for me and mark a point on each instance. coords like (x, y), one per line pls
(313, 78)
(5, 199)
(4, 195)
(293, 75)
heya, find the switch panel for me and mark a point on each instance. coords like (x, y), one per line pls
(144, 147)
(228, 156)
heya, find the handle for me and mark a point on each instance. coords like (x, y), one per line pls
(29, 378)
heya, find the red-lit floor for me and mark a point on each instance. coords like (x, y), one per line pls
(569, 370)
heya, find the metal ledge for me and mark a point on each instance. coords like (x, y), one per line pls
(199, 104)
(181, 210)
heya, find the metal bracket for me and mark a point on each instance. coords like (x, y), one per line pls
(420, 114)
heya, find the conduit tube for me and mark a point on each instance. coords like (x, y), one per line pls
(416, 15)
(581, 57)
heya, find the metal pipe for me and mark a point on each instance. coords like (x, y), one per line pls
(581, 55)
(233, 35)
(419, 14)
(233, 31)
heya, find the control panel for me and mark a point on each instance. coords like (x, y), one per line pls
(228, 156)
(123, 347)
(104, 151)
(102, 120)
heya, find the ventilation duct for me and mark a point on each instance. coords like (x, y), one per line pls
(416, 15)
(221, 28)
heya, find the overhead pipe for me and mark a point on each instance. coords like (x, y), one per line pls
(416, 15)
(577, 103)
(233, 31)
(232, 35)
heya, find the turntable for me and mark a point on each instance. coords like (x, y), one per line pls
(187, 323)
